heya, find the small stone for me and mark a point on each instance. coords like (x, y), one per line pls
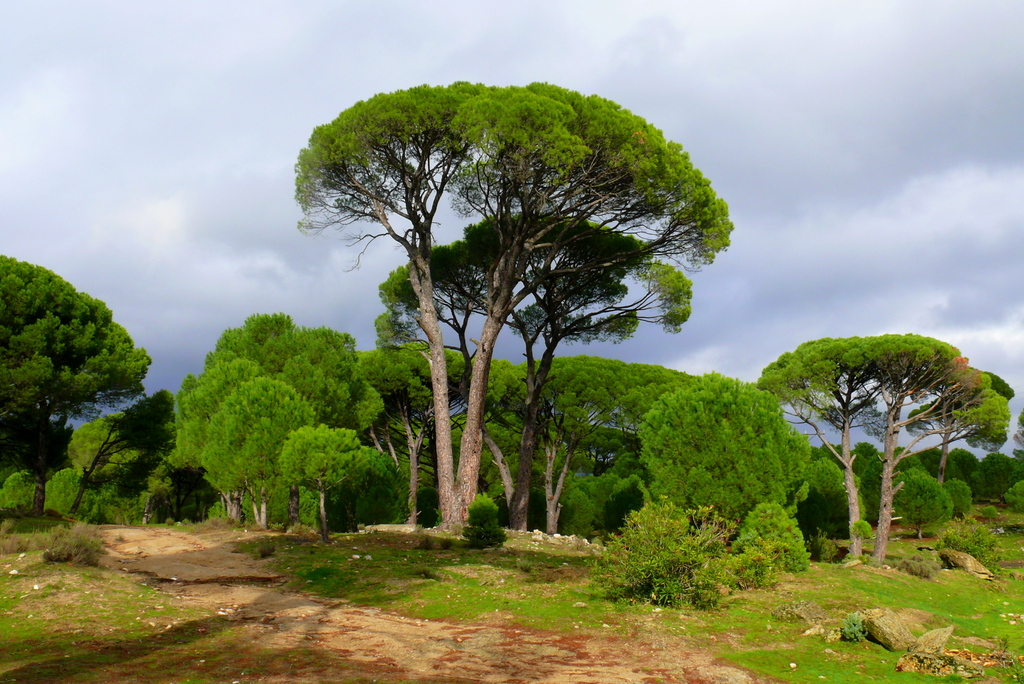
(579, 604)
(939, 665)
(13, 572)
(815, 630)
(36, 587)
(356, 556)
(792, 666)
(367, 557)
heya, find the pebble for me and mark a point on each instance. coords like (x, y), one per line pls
(13, 572)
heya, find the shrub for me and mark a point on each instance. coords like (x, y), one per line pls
(482, 528)
(10, 542)
(969, 536)
(990, 512)
(18, 490)
(919, 567)
(264, 549)
(770, 522)
(78, 545)
(960, 494)
(822, 548)
(755, 567)
(1015, 497)
(667, 557)
(862, 528)
(852, 628)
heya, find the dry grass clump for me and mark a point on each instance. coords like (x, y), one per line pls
(78, 545)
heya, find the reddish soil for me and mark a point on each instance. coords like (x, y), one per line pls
(204, 571)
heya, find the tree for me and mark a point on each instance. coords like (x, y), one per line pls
(248, 432)
(571, 307)
(124, 448)
(322, 457)
(540, 162)
(923, 501)
(981, 417)
(829, 383)
(62, 357)
(721, 442)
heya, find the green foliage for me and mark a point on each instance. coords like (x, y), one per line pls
(822, 548)
(756, 565)
(974, 538)
(769, 522)
(482, 529)
(922, 500)
(825, 509)
(427, 504)
(578, 514)
(853, 629)
(61, 490)
(989, 512)
(1015, 497)
(862, 528)
(960, 496)
(994, 475)
(724, 443)
(78, 545)
(17, 490)
(627, 496)
(666, 556)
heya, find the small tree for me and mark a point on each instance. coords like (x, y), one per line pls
(922, 500)
(960, 495)
(1015, 497)
(321, 457)
(769, 522)
(482, 528)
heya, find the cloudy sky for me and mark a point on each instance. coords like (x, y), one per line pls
(872, 155)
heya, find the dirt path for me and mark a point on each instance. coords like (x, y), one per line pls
(204, 570)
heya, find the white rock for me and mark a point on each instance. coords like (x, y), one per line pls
(13, 572)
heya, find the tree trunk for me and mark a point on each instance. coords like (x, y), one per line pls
(42, 432)
(232, 505)
(520, 508)
(853, 507)
(324, 534)
(472, 438)
(504, 472)
(942, 462)
(293, 505)
(553, 489)
(885, 505)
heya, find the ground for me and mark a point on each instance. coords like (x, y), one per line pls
(204, 572)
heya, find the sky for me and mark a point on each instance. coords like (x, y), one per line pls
(872, 156)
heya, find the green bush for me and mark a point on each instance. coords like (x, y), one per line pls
(78, 545)
(960, 494)
(1015, 497)
(770, 522)
(18, 490)
(822, 548)
(666, 556)
(969, 536)
(482, 528)
(919, 567)
(852, 628)
(756, 566)
(862, 528)
(990, 512)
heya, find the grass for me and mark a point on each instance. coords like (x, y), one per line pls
(94, 625)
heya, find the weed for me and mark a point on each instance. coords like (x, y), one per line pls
(852, 628)
(425, 542)
(303, 530)
(426, 572)
(264, 549)
(10, 542)
(919, 567)
(524, 565)
(445, 543)
(78, 545)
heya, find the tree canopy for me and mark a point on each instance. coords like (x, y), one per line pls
(62, 357)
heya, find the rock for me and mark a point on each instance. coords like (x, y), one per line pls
(800, 611)
(965, 562)
(933, 641)
(854, 563)
(815, 630)
(579, 604)
(885, 627)
(402, 528)
(832, 636)
(939, 665)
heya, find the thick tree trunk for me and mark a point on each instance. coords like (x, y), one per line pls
(885, 505)
(293, 505)
(472, 438)
(853, 508)
(942, 462)
(232, 505)
(520, 508)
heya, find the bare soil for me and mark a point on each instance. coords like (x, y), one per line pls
(204, 571)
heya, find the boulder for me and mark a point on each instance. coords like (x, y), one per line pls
(933, 641)
(885, 627)
(800, 611)
(939, 665)
(966, 562)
